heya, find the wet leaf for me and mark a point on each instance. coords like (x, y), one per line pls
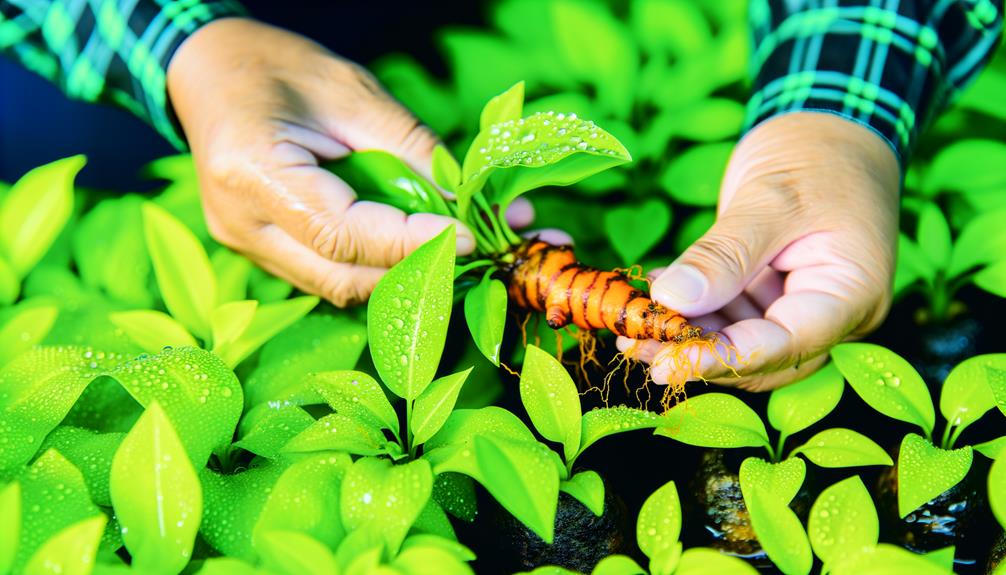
(782, 479)
(435, 404)
(795, 407)
(925, 471)
(507, 106)
(266, 428)
(600, 423)
(840, 447)
(200, 394)
(294, 553)
(997, 381)
(634, 230)
(966, 394)
(659, 523)
(618, 565)
(232, 504)
(24, 329)
(455, 493)
(934, 236)
(886, 382)
(229, 320)
(485, 313)
(268, 320)
(10, 530)
(714, 420)
(997, 489)
(91, 452)
(433, 521)
(183, 270)
(152, 330)
(551, 399)
(885, 559)
(588, 488)
(34, 211)
(425, 540)
(992, 448)
(357, 394)
(463, 424)
(156, 494)
(778, 529)
(700, 561)
(379, 495)
(843, 521)
(427, 560)
(408, 315)
(693, 178)
(338, 432)
(70, 551)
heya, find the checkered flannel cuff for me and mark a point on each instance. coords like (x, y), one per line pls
(890, 68)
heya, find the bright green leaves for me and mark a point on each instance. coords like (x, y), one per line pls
(634, 230)
(435, 404)
(981, 241)
(338, 432)
(843, 521)
(152, 330)
(838, 447)
(10, 530)
(485, 313)
(659, 523)
(295, 553)
(33, 213)
(997, 488)
(408, 315)
(926, 471)
(795, 407)
(701, 561)
(967, 394)
(110, 251)
(715, 420)
(886, 382)
(379, 176)
(37, 390)
(71, 551)
(782, 479)
(356, 394)
(246, 335)
(767, 489)
(674, 27)
(156, 494)
(588, 488)
(966, 166)
(28, 325)
(385, 497)
(197, 390)
(934, 236)
(506, 107)
(600, 423)
(551, 399)
(306, 499)
(183, 270)
(446, 170)
(693, 178)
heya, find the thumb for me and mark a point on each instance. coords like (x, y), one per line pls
(717, 267)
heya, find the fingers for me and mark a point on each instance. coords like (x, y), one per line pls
(520, 213)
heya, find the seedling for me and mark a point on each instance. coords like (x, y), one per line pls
(769, 485)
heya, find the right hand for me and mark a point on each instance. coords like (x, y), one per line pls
(261, 107)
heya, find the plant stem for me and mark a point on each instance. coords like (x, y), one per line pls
(939, 299)
(944, 443)
(462, 270)
(408, 430)
(956, 435)
(779, 447)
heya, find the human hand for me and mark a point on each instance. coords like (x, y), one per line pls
(801, 256)
(261, 107)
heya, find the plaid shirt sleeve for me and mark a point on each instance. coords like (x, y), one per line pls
(891, 65)
(108, 50)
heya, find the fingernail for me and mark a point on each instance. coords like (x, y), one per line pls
(680, 284)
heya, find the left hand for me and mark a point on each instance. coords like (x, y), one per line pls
(801, 256)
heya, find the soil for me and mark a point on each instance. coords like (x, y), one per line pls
(997, 554)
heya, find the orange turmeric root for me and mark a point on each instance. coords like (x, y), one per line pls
(549, 279)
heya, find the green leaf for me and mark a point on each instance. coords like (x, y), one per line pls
(269, 320)
(600, 423)
(596, 48)
(701, 561)
(634, 231)
(91, 452)
(505, 107)
(885, 559)
(659, 523)
(485, 313)
(25, 329)
(10, 530)
(997, 489)
(37, 390)
(464, 424)
(183, 270)
(925, 471)
(676, 27)
(992, 279)
(710, 120)
(338, 432)
(71, 551)
(266, 428)
(433, 521)
(966, 165)
(230, 320)
(232, 504)
(430, 560)
(693, 178)
(544, 149)
(782, 479)
(411, 84)
(618, 565)
(966, 395)
(778, 529)
(314, 344)
(997, 381)
(111, 253)
(10, 284)
(379, 176)
(522, 477)
(455, 494)
(934, 236)
(715, 420)
(795, 407)
(408, 315)
(551, 399)
(942, 557)
(992, 448)
(34, 211)
(886, 382)
(843, 521)
(156, 494)
(357, 394)
(912, 264)
(841, 447)
(588, 488)
(233, 272)
(446, 170)
(982, 241)
(199, 393)
(379, 495)
(361, 551)
(306, 499)
(152, 330)
(294, 553)
(435, 404)
(425, 540)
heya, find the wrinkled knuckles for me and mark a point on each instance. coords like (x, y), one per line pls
(722, 250)
(340, 289)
